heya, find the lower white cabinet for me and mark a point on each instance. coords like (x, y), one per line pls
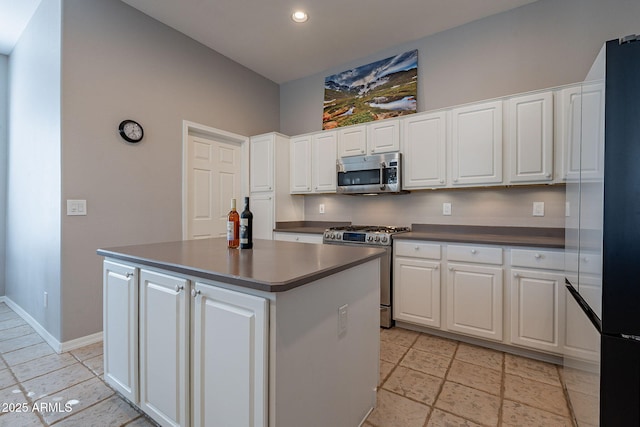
(120, 323)
(474, 300)
(298, 237)
(164, 348)
(202, 351)
(535, 309)
(416, 278)
(229, 358)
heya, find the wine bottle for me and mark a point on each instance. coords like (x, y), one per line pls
(233, 226)
(246, 226)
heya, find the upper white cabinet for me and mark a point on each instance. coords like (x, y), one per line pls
(313, 163)
(352, 141)
(530, 138)
(580, 117)
(300, 162)
(476, 144)
(261, 162)
(383, 136)
(323, 162)
(424, 146)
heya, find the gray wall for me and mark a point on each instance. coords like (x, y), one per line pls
(4, 104)
(544, 44)
(33, 193)
(119, 63)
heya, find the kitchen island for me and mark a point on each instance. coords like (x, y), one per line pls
(284, 334)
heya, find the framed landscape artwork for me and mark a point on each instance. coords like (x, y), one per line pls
(376, 91)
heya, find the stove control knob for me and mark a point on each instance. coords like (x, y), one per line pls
(377, 238)
(326, 235)
(384, 239)
(338, 236)
(370, 239)
(333, 236)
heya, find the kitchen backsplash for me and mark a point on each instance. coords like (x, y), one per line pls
(512, 206)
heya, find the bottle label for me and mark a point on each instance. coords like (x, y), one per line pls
(230, 231)
(244, 230)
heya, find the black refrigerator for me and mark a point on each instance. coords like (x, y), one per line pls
(603, 241)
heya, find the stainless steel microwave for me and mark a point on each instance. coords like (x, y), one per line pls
(379, 173)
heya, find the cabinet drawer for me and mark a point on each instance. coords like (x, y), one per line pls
(479, 254)
(417, 249)
(543, 259)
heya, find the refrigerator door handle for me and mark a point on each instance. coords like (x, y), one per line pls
(593, 317)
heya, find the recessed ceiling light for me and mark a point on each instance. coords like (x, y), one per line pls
(299, 16)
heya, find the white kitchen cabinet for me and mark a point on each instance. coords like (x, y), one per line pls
(476, 144)
(300, 164)
(230, 369)
(530, 138)
(536, 309)
(474, 291)
(261, 162)
(423, 146)
(164, 348)
(352, 141)
(579, 117)
(416, 290)
(313, 163)
(298, 237)
(270, 196)
(120, 323)
(383, 136)
(263, 208)
(323, 162)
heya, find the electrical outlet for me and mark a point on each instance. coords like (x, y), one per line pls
(567, 209)
(321, 208)
(76, 207)
(342, 319)
(538, 208)
(446, 209)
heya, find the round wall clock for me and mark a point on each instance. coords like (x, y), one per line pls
(131, 131)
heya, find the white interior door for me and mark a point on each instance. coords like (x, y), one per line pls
(214, 177)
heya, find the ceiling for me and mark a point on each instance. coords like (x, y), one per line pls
(261, 36)
(14, 17)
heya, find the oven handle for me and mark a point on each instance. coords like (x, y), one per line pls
(382, 166)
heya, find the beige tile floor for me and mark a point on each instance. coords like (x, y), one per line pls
(36, 383)
(427, 381)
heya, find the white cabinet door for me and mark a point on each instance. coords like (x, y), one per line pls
(120, 323)
(261, 160)
(416, 291)
(476, 144)
(530, 138)
(301, 164)
(474, 300)
(536, 309)
(262, 207)
(298, 237)
(230, 358)
(424, 145)
(164, 345)
(383, 136)
(352, 141)
(582, 120)
(323, 165)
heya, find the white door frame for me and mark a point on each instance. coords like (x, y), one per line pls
(192, 128)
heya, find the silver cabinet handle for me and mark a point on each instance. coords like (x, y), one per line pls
(473, 251)
(442, 181)
(417, 248)
(436, 267)
(450, 268)
(548, 175)
(179, 288)
(129, 275)
(516, 275)
(195, 293)
(455, 179)
(537, 256)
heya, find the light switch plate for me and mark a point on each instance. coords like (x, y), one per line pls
(76, 207)
(538, 208)
(342, 319)
(446, 209)
(321, 208)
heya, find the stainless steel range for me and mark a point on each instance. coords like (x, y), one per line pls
(371, 236)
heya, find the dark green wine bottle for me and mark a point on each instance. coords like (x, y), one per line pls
(246, 227)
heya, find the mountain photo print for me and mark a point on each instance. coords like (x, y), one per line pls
(376, 91)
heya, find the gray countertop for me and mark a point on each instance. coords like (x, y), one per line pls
(311, 227)
(271, 266)
(507, 236)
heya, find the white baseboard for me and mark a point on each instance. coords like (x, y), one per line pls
(57, 346)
